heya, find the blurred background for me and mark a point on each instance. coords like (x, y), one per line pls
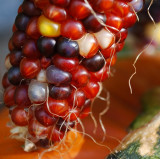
(139, 36)
(8, 12)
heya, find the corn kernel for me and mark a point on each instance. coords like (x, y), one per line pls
(48, 28)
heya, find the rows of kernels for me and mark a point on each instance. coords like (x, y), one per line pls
(60, 51)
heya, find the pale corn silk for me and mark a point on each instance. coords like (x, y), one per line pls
(102, 113)
(8, 12)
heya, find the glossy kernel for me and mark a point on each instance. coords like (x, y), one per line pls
(100, 75)
(56, 107)
(47, 27)
(57, 77)
(72, 114)
(103, 5)
(55, 135)
(60, 3)
(72, 29)
(64, 63)
(15, 57)
(21, 21)
(91, 89)
(46, 46)
(120, 8)
(14, 75)
(121, 35)
(41, 3)
(37, 130)
(55, 13)
(61, 92)
(19, 116)
(5, 81)
(67, 47)
(109, 52)
(32, 28)
(37, 91)
(92, 24)
(105, 38)
(45, 62)
(29, 68)
(44, 118)
(129, 20)
(30, 49)
(114, 21)
(80, 76)
(64, 126)
(94, 63)
(79, 9)
(18, 39)
(88, 45)
(9, 96)
(29, 9)
(77, 98)
(21, 96)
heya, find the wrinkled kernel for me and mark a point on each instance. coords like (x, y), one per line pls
(48, 28)
(88, 45)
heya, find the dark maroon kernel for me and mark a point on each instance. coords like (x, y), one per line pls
(94, 63)
(29, 8)
(5, 81)
(44, 143)
(60, 3)
(14, 75)
(30, 49)
(64, 125)
(57, 77)
(61, 92)
(44, 118)
(46, 46)
(21, 96)
(18, 39)
(92, 25)
(121, 35)
(21, 21)
(15, 57)
(67, 47)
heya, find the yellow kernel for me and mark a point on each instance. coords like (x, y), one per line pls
(48, 28)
